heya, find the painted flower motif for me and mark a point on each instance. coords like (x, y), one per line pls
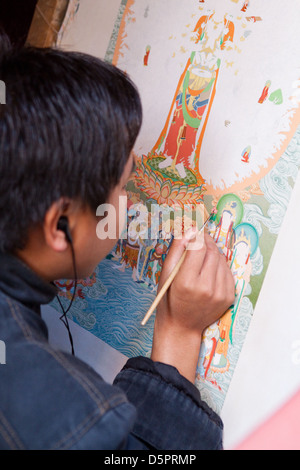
(165, 190)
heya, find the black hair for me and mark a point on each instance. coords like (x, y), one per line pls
(67, 129)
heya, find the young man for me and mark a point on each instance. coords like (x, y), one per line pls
(66, 135)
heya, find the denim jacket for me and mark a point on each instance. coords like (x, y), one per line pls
(52, 400)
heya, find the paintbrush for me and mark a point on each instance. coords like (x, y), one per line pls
(173, 274)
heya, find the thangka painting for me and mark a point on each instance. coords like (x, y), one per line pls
(219, 81)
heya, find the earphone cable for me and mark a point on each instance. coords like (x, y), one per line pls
(64, 317)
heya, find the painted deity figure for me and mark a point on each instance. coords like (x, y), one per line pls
(134, 244)
(146, 56)
(245, 246)
(155, 260)
(246, 155)
(265, 92)
(241, 270)
(224, 232)
(184, 130)
(245, 6)
(208, 347)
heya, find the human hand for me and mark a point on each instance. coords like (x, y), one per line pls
(203, 289)
(200, 294)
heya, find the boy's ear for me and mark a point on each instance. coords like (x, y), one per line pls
(55, 238)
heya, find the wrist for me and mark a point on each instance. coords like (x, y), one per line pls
(176, 346)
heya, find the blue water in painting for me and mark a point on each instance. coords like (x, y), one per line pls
(115, 311)
(121, 310)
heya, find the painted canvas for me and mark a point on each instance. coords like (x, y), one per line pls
(220, 88)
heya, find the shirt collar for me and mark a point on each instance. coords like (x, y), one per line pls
(19, 282)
